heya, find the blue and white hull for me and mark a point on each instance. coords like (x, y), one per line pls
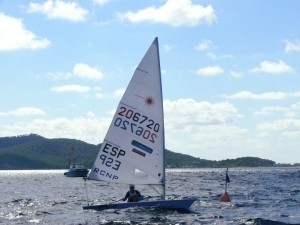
(182, 204)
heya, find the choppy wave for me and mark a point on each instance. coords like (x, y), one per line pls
(260, 196)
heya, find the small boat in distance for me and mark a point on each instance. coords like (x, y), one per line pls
(76, 170)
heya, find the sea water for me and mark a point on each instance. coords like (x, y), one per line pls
(259, 196)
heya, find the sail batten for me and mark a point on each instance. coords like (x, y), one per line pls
(133, 148)
(142, 70)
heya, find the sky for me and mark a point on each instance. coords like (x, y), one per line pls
(230, 71)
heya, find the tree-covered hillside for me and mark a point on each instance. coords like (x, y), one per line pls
(37, 152)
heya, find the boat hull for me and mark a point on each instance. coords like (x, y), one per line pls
(81, 173)
(182, 204)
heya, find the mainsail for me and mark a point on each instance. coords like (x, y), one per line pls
(133, 148)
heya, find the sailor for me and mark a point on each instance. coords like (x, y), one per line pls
(132, 195)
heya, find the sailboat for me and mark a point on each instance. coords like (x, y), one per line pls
(133, 150)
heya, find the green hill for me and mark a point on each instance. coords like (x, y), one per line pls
(37, 152)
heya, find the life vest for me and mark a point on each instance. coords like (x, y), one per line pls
(132, 194)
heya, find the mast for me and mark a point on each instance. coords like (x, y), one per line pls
(164, 149)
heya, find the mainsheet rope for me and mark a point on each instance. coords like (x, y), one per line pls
(86, 192)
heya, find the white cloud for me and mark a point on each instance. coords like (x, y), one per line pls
(296, 106)
(59, 10)
(85, 71)
(211, 55)
(24, 111)
(288, 127)
(205, 127)
(81, 70)
(101, 2)
(208, 47)
(119, 92)
(263, 96)
(273, 67)
(87, 128)
(175, 13)
(235, 74)
(14, 35)
(292, 46)
(71, 88)
(100, 94)
(288, 112)
(168, 48)
(189, 114)
(265, 111)
(204, 45)
(218, 56)
(58, 75)
(210, 71)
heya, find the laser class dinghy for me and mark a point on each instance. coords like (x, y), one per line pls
(133, 150)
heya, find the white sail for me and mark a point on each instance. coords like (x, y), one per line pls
(133, 148)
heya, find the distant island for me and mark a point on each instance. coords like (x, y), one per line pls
(36, 152)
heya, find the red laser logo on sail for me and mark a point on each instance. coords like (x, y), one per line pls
(149, 100)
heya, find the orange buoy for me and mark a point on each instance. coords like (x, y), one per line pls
(225, 197)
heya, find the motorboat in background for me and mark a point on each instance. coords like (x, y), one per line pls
(76, 170)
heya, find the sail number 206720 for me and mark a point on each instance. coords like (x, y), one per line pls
(137, 124)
